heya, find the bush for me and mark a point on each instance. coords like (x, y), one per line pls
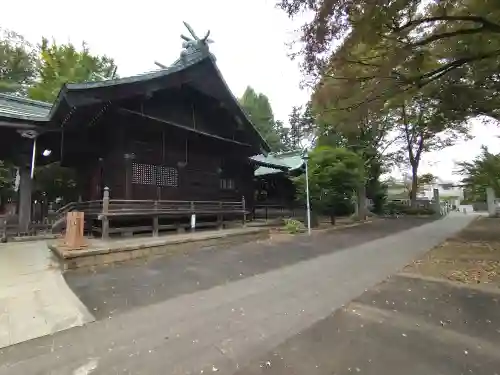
(393, 208)
(293, 226)
(419, 211)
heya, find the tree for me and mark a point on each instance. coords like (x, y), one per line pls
(53, 181)
(60, 64)
(7, 180)
(367, 135)
(482, 172)
(426, 179)
(381, 49)
(423, 128)
(17, 63)
(375, 189)
(302, 125)
(334, 174)
(258, 108)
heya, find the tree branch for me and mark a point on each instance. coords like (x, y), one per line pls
(486, 24)
(450, 34)
(439, 72)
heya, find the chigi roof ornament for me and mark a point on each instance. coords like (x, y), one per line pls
(193, 48)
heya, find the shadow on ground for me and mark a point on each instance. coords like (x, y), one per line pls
(109, 290)
(403, 326)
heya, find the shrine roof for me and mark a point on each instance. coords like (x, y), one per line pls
(15, 109)
(196, 67)
(277, 162)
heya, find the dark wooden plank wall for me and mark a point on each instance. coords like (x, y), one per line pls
(200, 162)
(190, 108)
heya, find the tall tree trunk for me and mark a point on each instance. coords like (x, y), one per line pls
(362, 202)
(414, 185)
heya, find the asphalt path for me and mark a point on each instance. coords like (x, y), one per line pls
(226, 327)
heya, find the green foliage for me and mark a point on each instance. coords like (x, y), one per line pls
(53, 181)
(392, 47)
(426, 179)
(419, 211)
(17, 63)
(396, 208)
(334, 174)
(7, 178)
(258, 108)
(375, 189)
(59, 64)
(423, 128)
(293, 226)
(482, 172)
(40, 73)
(302, 126)
(7, 181)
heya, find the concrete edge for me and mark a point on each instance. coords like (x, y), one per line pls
(478, 287)
(69, 254)
(344, 226)
(18, 239)
(87, 316)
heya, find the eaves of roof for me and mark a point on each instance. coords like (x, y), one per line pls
(23, 109)
(277, 162)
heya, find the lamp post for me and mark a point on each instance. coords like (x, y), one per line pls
(305, 157)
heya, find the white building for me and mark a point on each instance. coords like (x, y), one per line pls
(448, 191)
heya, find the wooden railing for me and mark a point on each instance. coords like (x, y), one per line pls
(108, 209)
(136, 207)
(87, 207)
(269, 211)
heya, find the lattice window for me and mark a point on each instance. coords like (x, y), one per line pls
(227, 184)
(168, 176)
(144, 174)
(149, 174)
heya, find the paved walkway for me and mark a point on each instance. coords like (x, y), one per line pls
(409, 326)
(34, 298)
(114, 289)
(223, 328)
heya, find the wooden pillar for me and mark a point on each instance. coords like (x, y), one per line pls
(129, 160)
(220, 217)
(156, 224)
(243, 205)
(104, 216)
(24, 199)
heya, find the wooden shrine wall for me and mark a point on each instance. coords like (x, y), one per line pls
(153, 161)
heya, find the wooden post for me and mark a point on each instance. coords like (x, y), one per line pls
(156, 227)
(244, 210)
(104, 215)
(73, 238)
(220, 217)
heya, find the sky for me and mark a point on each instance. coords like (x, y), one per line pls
(250, 43)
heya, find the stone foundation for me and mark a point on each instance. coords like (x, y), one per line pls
(100, 252)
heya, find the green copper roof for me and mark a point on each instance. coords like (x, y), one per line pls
(290, 161)
(21, 108)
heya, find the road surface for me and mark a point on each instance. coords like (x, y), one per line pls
(221, 329)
